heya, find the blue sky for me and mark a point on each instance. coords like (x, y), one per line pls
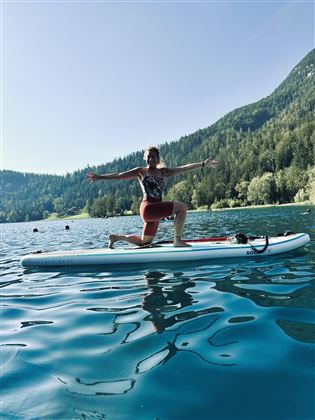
(85, 82)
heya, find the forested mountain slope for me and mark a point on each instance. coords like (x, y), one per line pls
(265, 149)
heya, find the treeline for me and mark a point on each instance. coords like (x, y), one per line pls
(265, 149)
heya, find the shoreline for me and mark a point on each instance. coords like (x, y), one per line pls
(53, 217)
(258, 206)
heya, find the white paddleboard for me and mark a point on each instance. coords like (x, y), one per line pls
(199, 250)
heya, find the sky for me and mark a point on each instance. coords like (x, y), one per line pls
(84, 82)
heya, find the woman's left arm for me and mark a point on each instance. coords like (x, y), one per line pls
(208, 163)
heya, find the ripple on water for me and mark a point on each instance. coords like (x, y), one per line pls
(158, 342)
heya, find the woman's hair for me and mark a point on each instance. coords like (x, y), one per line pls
(157, 152)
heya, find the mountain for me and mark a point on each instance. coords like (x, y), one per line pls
(265, 149)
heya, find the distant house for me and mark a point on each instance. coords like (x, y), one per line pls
(72, 210)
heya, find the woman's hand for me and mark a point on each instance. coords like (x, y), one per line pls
(91, 177)
(211, 163)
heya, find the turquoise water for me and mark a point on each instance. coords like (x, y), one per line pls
(211, 340)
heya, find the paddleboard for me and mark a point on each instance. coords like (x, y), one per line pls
(201, 249)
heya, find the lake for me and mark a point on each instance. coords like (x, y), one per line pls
(224, 339)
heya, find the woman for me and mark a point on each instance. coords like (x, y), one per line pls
(152, 208)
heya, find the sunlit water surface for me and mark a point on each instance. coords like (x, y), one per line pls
(224, 339)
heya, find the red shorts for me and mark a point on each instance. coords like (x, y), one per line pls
(152, 212)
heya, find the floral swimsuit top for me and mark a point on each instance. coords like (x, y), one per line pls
(152, 187)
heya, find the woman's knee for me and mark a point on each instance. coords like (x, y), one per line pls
(179, 207)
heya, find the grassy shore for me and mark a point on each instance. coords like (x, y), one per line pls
(54, 216)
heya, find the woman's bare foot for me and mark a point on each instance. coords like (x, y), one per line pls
(179, 242)
(112, 239)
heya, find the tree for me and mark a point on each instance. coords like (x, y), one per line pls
(182, 191)
(3, 217)
(99, 207)
(308, 192)
(45, 214)
(242, 190)
(136, 201)
(59, 205)
(261, 190)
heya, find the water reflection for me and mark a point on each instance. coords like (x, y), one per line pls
(280, 283)
(164, 299)
(300, 331)
(117, 387)
(165, 314)
(172, 316)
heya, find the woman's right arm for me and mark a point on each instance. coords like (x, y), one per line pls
(131, 174)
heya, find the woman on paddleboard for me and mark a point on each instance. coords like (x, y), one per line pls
(152, 208)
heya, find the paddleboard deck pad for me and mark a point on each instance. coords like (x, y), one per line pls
(202, 249)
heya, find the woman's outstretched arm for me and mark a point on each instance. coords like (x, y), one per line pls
(131, 174)
(208, 163)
